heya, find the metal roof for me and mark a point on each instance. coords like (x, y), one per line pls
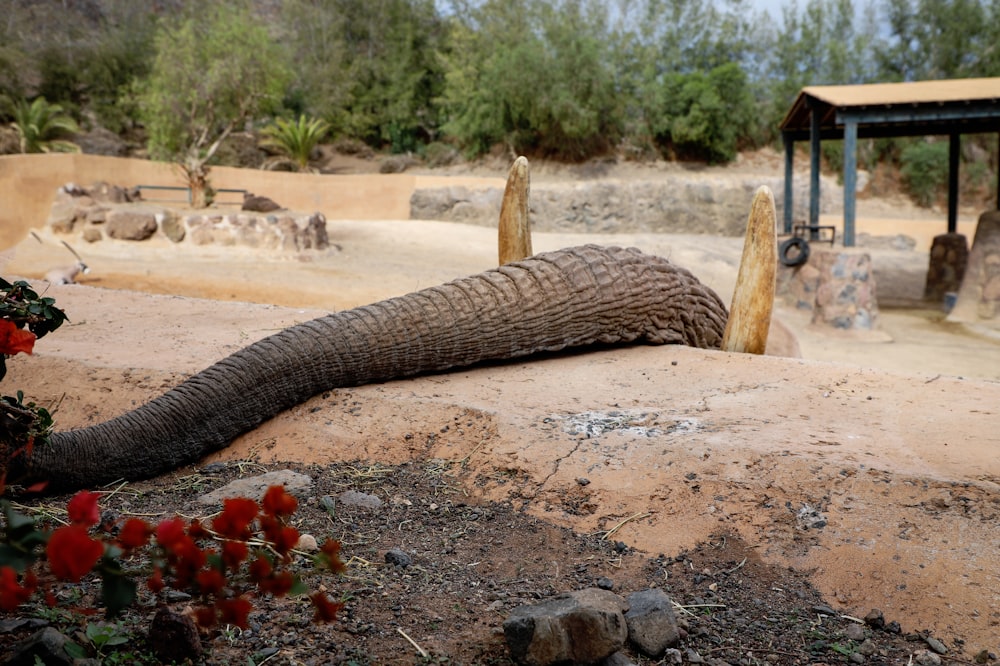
(919, 108)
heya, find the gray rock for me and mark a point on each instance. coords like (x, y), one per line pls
(580, 627)
(684, 203)
(618, 659)
(398, 558)
(254, 487)
(926, 658)
(46, 646)
(936, 645)
(131, 224)
(355, 498)
(171, 226)
(259, 204)
(855, 632)
(652, 626)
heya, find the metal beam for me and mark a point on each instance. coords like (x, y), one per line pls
(850, 180)
(814, 161)
(919, 114)
(954, 151)
(789, 192)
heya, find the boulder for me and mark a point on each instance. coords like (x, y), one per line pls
(652, 626)
(131, 224)
(580, 627)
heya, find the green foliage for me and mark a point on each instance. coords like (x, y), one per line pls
(295, 138)
(533, 75)
(39, 125)
(212, 71)
(22, 305)
(704, 116)
(925, 170)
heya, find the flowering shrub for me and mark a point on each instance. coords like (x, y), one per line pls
(246, 546)
(24, 317)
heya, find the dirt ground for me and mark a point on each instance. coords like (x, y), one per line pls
(870, 470)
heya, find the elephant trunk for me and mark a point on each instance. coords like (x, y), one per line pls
(548, 302)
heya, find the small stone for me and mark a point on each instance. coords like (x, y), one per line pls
(926, 658)
(693, 657)
(855, 632)
(254, 487)
(823, 609)
(875, 619)
(355, 498)
(620, 546)
(618, 659)
(605, 583)
(983, 656)
(867, 648)
(893, 627)
(673, 657)
(857, 658)
(307, 543)
(398, 558)
(935, 645)
(583, 481)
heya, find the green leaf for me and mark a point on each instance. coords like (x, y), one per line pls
(298, 587)
(117, 591)
(74, 651)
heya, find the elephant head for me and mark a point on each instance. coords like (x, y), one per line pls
(547, 302)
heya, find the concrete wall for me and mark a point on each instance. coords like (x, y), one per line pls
(28, 185)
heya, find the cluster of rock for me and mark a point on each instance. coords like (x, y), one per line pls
(107, 211)
(590, 626)
(679, 204)
(837, 285)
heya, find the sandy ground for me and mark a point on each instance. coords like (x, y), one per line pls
(893, 444)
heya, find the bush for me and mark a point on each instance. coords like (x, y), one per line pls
(703, 116)
(924, 167)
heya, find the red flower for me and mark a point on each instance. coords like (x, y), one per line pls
(211, 581)
(233, 553)
(196, 530)
(72, 553)
(169, 532)
(260, 570)
(205, 617)
(14, 339)
(279, 584)
(277, 502)
(83, 509)
(330, 556)
(155, 582)
(134, 534)
(234, 611)
(285, 540)
(234, 521)
(326, 610)
(12, 594)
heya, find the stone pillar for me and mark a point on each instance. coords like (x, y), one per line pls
(845, 295)
(979, 296)
(949, 256)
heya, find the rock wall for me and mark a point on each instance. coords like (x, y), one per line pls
(679, 204)
(107, 211)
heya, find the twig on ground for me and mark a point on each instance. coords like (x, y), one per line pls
(637, 516)
(423, 652)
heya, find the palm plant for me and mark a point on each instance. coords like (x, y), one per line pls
(295, 139)
(39, 124)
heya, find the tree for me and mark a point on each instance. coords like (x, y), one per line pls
(212, 72)
(295, 139)
(39, 126)
(534, 75)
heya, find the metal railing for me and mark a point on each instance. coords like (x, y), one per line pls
(187, 191)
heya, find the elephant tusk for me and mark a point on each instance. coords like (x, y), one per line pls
(515, 227)
(753, 297)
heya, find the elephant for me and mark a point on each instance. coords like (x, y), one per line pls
(545, 303)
